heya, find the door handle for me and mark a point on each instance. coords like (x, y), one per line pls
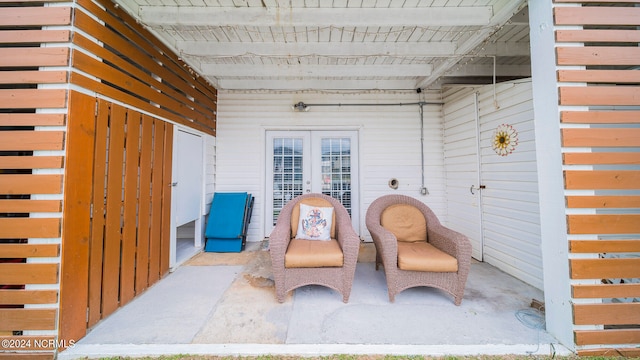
(474, 187)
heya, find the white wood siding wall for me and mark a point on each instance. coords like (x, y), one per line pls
(389, 143)
(510, 203)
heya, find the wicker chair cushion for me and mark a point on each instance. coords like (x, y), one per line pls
(422, 256)
(405, 221)
(312, 201)
(312, 253)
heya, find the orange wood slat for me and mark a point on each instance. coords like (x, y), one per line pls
(601, 117)
(113, 220)
(34, 36)
(29, 250)
(18, 184)
(142, 61)
(630, 352)
(27, 206)
(85, 82)
(609, 336)
(604, 224)
(128, 258)
(600, 95)
(605, 202)
(605, 268)
(20, 297)
(124, 24)
(32, 119)
(31, 162)
(597, 15)
(27, 319)
(600, 76)
(601, 179)
(598, 137)
(98, 219)
(34, 56)
(142, 253)
(605, 291)
(33, 77)
(606, 314)
(28, 273)
(77, 200)
(36, 16)
(166, 200)
(156, 201)
(32, 98)
(23, 342)
(21, 228)
(31, 140)
(597, 55)
(598, 36)
(604, 246)
(617, 158)
(115, 76)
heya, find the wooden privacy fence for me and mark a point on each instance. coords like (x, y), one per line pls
(31, 175)
(600, 93)
(131, 198)
(84, 173)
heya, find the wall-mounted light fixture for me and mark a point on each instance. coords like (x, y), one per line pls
(300, 106)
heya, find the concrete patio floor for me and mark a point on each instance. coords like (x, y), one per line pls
(224, 304)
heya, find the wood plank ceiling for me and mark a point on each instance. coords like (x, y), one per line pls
(342, 44)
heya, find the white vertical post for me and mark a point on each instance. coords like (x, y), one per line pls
(554, 242)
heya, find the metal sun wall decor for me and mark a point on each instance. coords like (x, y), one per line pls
(505, 140)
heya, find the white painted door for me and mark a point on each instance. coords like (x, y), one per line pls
(462, 164)
(188, 179)
(300, 162)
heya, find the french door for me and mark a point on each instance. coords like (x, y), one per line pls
(300, 162)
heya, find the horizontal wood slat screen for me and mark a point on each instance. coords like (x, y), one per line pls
(33, 102)
(599, 90)
(142, 70)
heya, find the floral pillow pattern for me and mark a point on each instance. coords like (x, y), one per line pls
(315, 223)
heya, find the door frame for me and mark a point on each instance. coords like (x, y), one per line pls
(352, 132)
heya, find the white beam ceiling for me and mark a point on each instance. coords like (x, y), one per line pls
(237, 70)
(155, 16)
(314, 84)
(301, 49)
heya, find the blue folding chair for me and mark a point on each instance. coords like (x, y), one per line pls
(228, 222)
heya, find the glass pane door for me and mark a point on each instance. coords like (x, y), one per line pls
(300, 162)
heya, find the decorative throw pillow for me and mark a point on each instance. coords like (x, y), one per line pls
(314, 223)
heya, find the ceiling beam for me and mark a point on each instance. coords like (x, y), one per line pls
(354, 49)
(315, 84)
(505, 49)
(487, 70)
(502, 15)
(155, 16)
(272, 70)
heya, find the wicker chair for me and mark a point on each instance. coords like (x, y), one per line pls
(311, 267)
(442, 261)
